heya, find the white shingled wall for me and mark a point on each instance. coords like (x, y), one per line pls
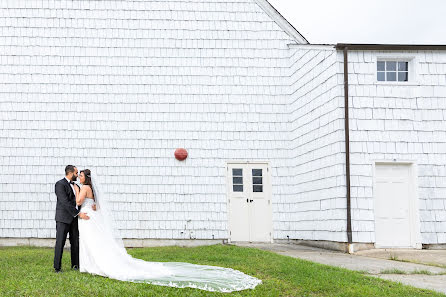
(402, 121)
(117, 86)
(315, 207)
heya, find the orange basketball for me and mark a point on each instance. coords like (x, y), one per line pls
(180, 154)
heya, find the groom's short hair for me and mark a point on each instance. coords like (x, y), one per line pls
(69, 169)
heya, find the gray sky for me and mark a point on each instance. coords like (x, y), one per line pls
(372, 21)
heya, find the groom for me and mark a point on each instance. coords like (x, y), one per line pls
(66, 218)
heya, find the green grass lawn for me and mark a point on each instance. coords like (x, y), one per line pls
(27, 271)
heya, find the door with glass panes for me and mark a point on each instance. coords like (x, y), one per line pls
(249, 202)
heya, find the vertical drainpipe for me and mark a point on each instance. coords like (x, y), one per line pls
(347, 153)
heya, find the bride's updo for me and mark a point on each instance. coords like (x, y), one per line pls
(87, 174)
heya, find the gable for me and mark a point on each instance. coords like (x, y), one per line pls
(281, 21)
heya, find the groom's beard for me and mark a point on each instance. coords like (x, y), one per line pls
(74, 178)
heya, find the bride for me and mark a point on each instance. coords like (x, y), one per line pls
(102, 252)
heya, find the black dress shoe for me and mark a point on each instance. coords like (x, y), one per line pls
(57, 271)
(75, 267)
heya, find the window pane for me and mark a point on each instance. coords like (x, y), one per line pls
(402, 76)
(381, 76)
(237, 180)
(381, 66)
(257, 188)
(403, 66)
(237, 188)
(391, 76)
(238, 172)
(257, 180)
(257, 172)
(391, 66)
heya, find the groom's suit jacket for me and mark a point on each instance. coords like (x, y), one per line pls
(66, 202)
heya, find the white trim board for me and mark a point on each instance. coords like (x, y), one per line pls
(281, 21)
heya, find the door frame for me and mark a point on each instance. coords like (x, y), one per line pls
(414, 213)
(267, 186)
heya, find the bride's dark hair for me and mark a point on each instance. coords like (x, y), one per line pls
(87, 174)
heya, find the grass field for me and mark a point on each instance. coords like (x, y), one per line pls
(27, 271)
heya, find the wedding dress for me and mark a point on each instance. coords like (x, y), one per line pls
(102, 252)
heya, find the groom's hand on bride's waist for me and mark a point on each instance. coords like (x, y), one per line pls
(84, 216)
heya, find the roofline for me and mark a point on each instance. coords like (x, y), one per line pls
(281, 21)
(390, 47)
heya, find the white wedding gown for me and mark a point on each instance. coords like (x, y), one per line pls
(101, 254)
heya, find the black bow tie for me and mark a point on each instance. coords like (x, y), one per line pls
(72, 182)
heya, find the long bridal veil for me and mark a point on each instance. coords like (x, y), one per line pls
(104, 254)
(104, 207)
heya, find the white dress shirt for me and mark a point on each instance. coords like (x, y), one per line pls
(72, 187)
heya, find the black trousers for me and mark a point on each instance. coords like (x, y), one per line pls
(62, 229)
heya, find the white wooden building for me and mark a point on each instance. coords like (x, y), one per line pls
(117, 86)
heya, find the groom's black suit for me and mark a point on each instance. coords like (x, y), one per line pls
(66, 222)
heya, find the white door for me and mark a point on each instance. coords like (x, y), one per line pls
(393, 200)
(249, 202)
(237, 202)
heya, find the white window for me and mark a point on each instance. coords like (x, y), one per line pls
(392, 70)
(237, 179)
(257, 180)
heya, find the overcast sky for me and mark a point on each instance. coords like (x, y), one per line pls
(372, 21)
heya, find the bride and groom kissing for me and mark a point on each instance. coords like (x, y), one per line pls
(97, 248)
(67, 211)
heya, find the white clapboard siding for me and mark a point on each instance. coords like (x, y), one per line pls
(315, 206)
(117, 86)
(405, 121)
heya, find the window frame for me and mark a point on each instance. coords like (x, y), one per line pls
(397, 71)
(411, 66)
(254, 185)
(237, 176)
